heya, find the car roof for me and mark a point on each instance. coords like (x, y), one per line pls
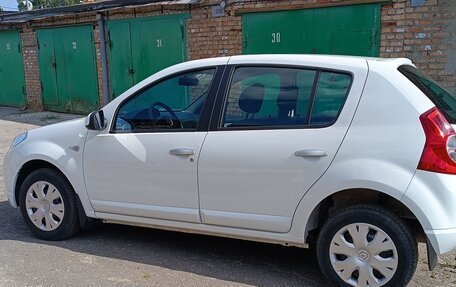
(313, 58)
(327, 61)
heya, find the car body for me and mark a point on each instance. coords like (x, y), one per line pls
(266, 148)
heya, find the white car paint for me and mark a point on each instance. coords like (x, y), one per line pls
(370, 151)
(234, 174)
(143, 178)
(56, 140)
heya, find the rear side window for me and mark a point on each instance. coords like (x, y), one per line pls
(441, 98)
(262, 97)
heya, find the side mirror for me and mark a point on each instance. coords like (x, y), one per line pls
(95, 121)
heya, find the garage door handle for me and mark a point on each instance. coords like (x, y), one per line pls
(182, 151)
(310, 153)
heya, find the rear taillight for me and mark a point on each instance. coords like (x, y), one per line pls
(439, 154)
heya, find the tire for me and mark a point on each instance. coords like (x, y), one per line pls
(368, 246)
(48, 205)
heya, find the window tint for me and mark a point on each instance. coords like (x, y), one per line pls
(175, 103)
(267, 97)
(330, 96)
(443, 100)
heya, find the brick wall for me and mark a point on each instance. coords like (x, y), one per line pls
(31, 71)
(212, 37)
(425, 34)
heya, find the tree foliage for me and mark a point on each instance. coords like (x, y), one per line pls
(40, 4)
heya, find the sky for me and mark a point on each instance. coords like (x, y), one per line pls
(8, 5)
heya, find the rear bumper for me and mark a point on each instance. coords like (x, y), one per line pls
(432, 199)
(442, 241)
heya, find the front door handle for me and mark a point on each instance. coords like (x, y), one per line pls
(182, 151)
(310, 153)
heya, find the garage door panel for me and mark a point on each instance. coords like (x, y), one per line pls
(48, 76)
(120, 49)
(350, 30)
(308, 32)
(344, 42)
(78, 48)
(163, 47)
(321, 32)
(275, 32)
(12, 83)
(357, 34)
(142, 46)
(68, 69)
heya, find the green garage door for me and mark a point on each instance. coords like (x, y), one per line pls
(344, 30)
(68, 69)
(12, 82)
(140, 47)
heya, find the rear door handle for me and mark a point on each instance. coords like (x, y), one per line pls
(310, 153)
(182, 151)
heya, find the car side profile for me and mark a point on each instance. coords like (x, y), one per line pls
(353, 156)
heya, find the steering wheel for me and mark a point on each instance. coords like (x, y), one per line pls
(155, 113)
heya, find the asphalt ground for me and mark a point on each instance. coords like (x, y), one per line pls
(115, 255)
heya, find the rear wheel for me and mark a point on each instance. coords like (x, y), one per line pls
(367, 246)
(48, 205)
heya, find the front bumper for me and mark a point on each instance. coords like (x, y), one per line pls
(10, 172)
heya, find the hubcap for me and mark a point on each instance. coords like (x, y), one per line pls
(44, 205)
(363, 255)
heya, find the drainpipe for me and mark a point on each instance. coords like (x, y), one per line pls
(104, 58)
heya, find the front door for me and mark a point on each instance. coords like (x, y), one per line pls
(146, 165)
(278, 133)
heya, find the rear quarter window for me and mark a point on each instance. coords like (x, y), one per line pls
(330, 95)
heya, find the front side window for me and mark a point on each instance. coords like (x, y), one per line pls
(281, 97)
(172, 104)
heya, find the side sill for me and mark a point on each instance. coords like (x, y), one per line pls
(203, 229)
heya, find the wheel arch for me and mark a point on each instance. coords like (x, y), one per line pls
(29, 167)
(347, 245)
(36, 164)
(349, 197)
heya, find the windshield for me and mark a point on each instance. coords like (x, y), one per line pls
(443, 100)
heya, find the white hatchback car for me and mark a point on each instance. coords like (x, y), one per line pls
(354, 155)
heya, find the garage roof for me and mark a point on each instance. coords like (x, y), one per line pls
(25, 16)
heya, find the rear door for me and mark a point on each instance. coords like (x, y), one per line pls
(279, 130)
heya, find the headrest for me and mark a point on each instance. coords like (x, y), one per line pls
(251, 98)
(288, 97)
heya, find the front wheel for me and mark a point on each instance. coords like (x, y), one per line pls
(367, 246)
(48, 205)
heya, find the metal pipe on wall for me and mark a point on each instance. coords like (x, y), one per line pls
(104, 59)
